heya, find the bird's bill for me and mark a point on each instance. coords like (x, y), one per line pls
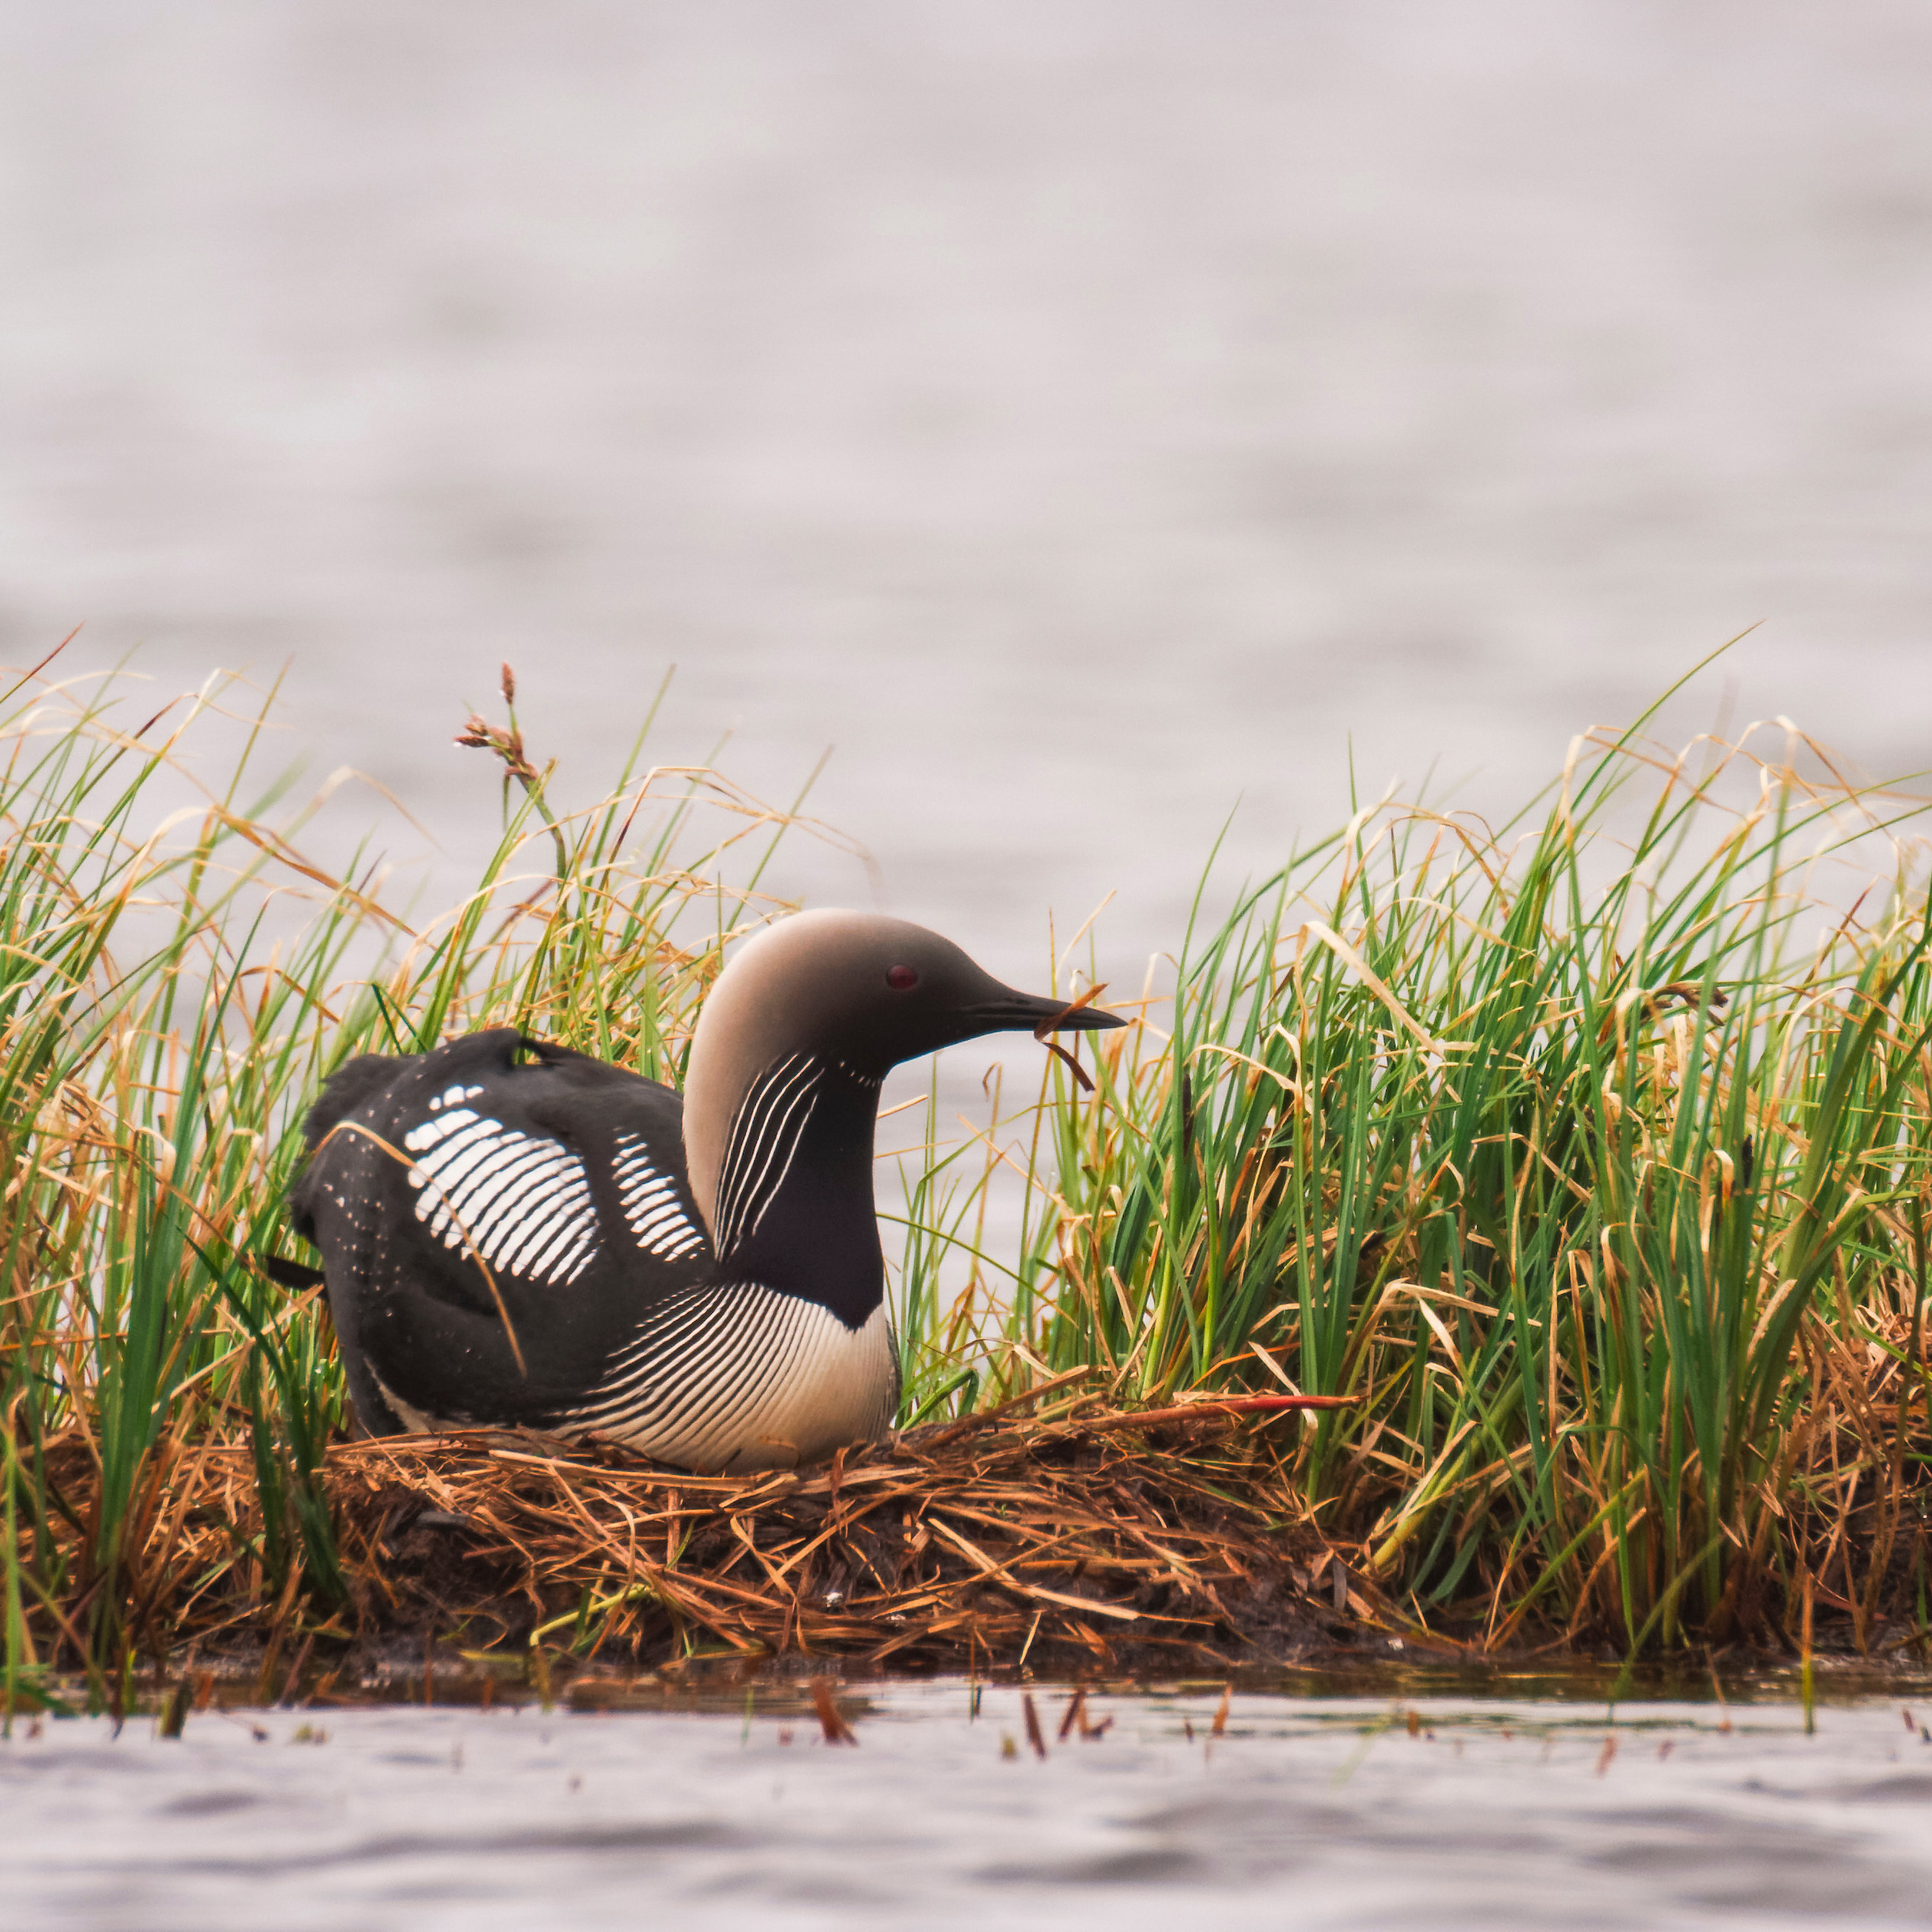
(1040, 1014)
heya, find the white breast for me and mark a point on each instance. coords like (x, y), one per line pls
(739, 1378)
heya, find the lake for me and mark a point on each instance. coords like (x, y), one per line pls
(1088, 421)
(1309, 1810)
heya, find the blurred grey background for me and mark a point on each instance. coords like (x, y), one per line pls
(1083, 417)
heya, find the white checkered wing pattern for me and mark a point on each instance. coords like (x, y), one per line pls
(519, 1201)
(652, 1209)
(523, 1202)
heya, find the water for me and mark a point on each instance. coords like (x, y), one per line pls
(1087, 419)
(1308, 1812)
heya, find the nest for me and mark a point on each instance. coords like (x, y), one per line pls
(1125, 1540)
(1156, 1540)
(1164, 1539)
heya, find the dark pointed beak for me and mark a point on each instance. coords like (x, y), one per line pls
(1038, 1014)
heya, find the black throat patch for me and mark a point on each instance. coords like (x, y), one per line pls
(795, 1207)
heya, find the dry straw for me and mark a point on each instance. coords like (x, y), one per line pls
(1088, 1538)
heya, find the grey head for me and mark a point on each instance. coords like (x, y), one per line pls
(856, 989)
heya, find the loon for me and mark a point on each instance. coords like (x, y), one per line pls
(515, 1233)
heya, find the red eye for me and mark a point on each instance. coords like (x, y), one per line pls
(902, 978)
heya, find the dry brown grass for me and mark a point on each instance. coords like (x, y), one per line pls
(1097, 1537)
(1091, 1539)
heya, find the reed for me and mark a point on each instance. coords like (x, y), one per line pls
(1586, 1156)
(1592, 1165)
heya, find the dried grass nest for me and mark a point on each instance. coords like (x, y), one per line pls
(1128, 1539)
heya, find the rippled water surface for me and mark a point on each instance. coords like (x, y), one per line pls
(1086, 418)
(1306, 1812)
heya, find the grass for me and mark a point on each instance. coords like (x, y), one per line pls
(1588, 1156)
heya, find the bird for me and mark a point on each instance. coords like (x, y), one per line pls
(514, 1233)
